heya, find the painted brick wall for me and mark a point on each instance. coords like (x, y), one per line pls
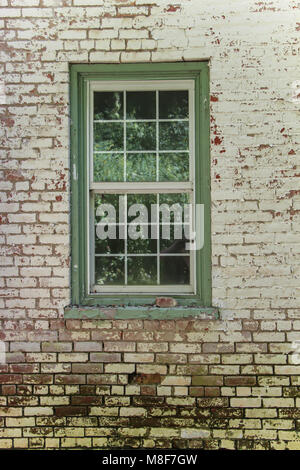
(230, 383)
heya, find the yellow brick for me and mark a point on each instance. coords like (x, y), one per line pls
(19, 422)
(181, 391)
(277, 445)
(227, 444)
(176, 380)
(134, 411)
(149, 443)
(69, 432)
(76, 442)
(245, 402)
(109, 411)
(293, 445)
(133, 432)
(52, 401)
(164, 432)
(38, 411)
(278, 402)
(99, 442)
(289, 436)
(52, 442)
(278, 424)
(21, 443)
(261, 413)
(10, 411)
(243, 391)
(260, 434)
(10, 432)
(227, 434)
(163, 391)
(6, 443)
(245, 423)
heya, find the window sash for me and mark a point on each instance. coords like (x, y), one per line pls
(125, 187)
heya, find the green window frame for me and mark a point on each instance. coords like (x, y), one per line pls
(82, 79)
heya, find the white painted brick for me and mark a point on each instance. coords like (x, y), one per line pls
(104, 56)
(135, 56)
(10, 12)
(25, 3)
(88, 2)
(36, 12)
(133, 34)
(74, 34)
(102, 44)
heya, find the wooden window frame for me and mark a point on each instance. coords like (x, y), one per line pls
(83, 78)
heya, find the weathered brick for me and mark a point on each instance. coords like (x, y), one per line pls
(230, 382)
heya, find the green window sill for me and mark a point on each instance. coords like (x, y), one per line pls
(141, 313)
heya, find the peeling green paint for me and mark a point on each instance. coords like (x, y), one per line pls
(153, 313)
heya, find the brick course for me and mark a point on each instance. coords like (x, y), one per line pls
(231, 383)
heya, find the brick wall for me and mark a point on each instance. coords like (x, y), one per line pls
(229, 383)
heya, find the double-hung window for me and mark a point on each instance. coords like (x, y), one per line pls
(140, 183)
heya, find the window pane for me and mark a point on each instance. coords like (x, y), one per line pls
(174, 167)
(108, 105)
(108, 167)
(144, 156)
(111, 209)
(108, 136)
(109, 245)
(141, 136)
(173, 105)
(175, 203)
(174, 270)
(140, 105)
(140, 245)
(174, 135)
(147, 200)
(176, 241)
(141, 167)
(142, 270)
(109, 270)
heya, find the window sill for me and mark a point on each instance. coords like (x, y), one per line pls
(141, 313)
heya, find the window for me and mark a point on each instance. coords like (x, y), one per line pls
(140, 183)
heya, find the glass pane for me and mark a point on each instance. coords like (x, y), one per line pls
(108, 105)
(109, 245)
(147, 200)
(174, 270)
(140, 105)
(174, 206)
(141, 167)
(108, 136)
(108, 167)
(111, 212)
(173, 105)
(173, 135)
(174, 167)
(142, 270)
(172, 240)
(109, 270)
(141, 245)
(141, 136)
